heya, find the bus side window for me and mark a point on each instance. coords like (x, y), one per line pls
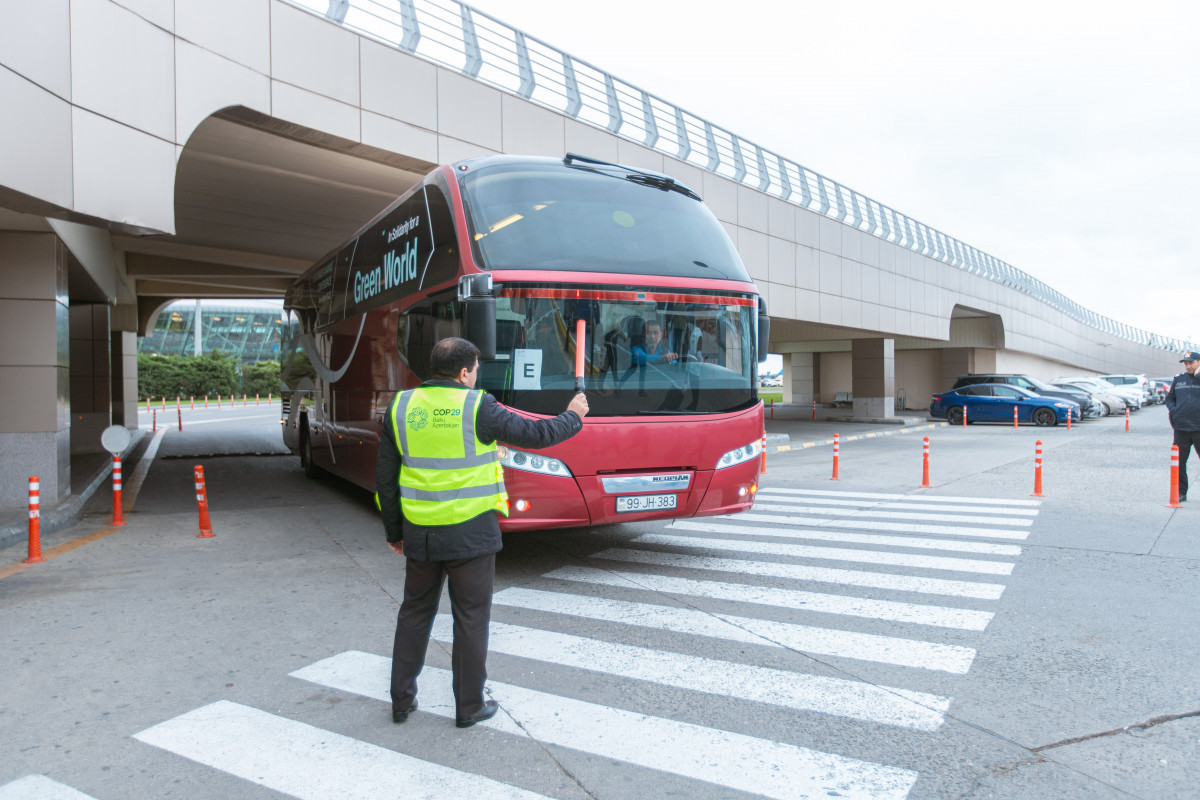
(442, 265)
(422, 326)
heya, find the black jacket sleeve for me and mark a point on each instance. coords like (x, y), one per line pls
(387, 487)
(497, 424)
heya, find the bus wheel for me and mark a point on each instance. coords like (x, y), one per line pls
(311, 470)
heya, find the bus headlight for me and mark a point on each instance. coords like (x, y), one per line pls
(532, 462)
(740, 455)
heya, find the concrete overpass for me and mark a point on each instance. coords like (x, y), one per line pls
(154, 150)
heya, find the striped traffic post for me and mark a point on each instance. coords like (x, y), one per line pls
(35, 521)
(192, 402)
(964, 416)
(763, 471)
(925, 465)
(179, 411)
(1069, 415)
(835, 458)
(1015, 425)
(814, 409)
(1037, 470)
(117, 520)
(202, 503)
(1127, 419)
(154, 421)
(1174, 501)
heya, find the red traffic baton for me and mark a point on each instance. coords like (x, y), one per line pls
(202, 502)
(836, 447)
(35, 521)
(1174, 501)
(117, 520)
(580, 324)
(1037, 470)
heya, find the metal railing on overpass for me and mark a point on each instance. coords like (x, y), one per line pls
(459, 37)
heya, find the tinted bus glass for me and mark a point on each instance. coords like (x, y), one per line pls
(552, 217)
(642, 356)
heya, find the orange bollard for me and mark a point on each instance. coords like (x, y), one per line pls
(836, 448)
(772, 409)
(925, 465)
(179, 411)
(243, 401)
(1174, 501)
(814, 409)
(1069, 415)
(202, 502)
(1015, 425)
(154, 421)
(1037, 470)
(268, 398)
(763, 470)
(218, 399)
(192, 402)
(1127, 419)
(964, 416)
(117, 520)
(206, 402)
(35, 522)
(164, 404)
(256, 400)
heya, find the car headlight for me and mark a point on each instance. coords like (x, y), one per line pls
(532, 462)
(1063, 405)
(740, 455)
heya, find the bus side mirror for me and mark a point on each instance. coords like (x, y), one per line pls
(479, 317)
(479, 312)
(764, 330)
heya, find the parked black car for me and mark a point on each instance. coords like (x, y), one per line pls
(1086, 402)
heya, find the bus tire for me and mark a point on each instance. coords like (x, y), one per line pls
(311, 470)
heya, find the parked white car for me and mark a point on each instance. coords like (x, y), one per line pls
(1130, 394)
(1138, 379)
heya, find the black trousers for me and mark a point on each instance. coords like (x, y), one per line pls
(1186, 440)
(471, 582)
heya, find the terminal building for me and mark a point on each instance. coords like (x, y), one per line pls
(246, 329)
(154, 152)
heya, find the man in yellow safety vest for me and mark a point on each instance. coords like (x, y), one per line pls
(440, 487)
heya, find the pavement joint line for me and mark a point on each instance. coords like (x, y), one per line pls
(784, 448)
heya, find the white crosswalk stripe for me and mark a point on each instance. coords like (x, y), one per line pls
(837, 696)
(913, 613)
(732, 760)
(712, 592)
(851, 538)
(803, 572)
(776, 495)
(781, 504)
(829, 553)
(39, 787)
(309, 762)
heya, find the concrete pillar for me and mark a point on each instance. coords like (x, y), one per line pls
(800, 377)
(91, 376)
(124, 378)
(874, 377)
(35, 411)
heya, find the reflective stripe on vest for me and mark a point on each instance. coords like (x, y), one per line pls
(447, 475)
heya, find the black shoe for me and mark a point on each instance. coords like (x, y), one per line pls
(1183, 498)
(490, 707)
(399, 716)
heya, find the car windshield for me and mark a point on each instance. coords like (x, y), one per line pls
(645, 352)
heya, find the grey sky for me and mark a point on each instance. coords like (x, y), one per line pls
(1062, 137)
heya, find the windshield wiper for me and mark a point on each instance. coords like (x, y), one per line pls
(653, 179)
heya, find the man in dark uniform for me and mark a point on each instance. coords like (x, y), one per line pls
(1183, 409)
(440, 487)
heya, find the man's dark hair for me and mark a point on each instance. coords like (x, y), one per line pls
(451, 356)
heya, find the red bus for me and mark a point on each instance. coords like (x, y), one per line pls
(510, 252)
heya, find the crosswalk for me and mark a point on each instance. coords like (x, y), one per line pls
(843, 587)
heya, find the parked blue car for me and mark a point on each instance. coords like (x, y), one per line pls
(993, 402)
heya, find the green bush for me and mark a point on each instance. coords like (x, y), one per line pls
(260, 378)
(184, 376)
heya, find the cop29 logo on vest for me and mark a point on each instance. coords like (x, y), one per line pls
(417, 419)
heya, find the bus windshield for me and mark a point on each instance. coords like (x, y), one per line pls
(554, 217)
(645, 352)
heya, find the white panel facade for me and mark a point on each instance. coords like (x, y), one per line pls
(35, 41)
(208, 83)
(42, 141)
(239, 30)
(398, 137)
(122, 174)
(531, 129)
(314, 111)
(400, 86)
(123, 67)
(468, 111)
(309, 52)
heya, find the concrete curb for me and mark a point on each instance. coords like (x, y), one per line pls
(784, 448)
(69, 513)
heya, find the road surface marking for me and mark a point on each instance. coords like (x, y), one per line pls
(778, 494)
(850, 538)
(900, 527)
(732, 760)
(924, 498)
(890, 610)
(39, 787)
(792, 507)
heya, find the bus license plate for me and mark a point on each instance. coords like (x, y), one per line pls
(645, 502)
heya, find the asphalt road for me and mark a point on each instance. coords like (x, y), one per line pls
(858, 638)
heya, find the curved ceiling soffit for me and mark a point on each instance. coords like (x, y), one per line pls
(148, 310)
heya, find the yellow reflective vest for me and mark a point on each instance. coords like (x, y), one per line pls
(447, 475)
